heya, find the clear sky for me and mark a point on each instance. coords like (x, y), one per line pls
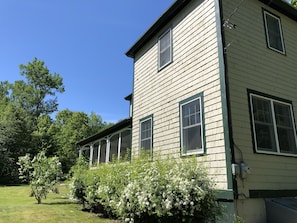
(82, 40)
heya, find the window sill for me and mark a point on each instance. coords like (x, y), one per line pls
(193, 153)
(277, 51)
(276, 153)
(164, 66)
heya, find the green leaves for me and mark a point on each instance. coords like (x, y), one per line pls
(26, 125)
(35, 95)
(171, 190)
(41, 172)
(293, 3)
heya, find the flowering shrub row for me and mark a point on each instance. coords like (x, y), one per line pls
(172, 190)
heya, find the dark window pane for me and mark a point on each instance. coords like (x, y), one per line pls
(146, 144)
(125, 143)
(285, 128)
(265, 137)
(103, 152)
(283, 115)
(262, 110)
(114, 142)
(274, 32)
(286, 140)
(191, 126)
(192, 138)
(146, 134)
(165, 49)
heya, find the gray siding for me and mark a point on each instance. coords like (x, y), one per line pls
(251, 65)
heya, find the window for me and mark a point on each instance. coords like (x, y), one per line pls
(273, 125)
(146, 133)
(165, 49)
(191, 120)
(274, 35)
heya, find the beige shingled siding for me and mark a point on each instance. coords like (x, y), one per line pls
(195, 69)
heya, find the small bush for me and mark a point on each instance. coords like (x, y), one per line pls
(79, 178)
(41, 172)
(172, 190)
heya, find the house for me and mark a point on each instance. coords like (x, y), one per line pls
(110, 143)
(217, 79)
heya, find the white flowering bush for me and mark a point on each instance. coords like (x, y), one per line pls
(172, 190)
(41, 172)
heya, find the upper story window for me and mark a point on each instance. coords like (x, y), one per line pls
(191, 121)
(273, 125)
(146, 134)
(165, 49)
(274, 34)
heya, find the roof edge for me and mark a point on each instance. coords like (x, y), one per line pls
(114, 128)
(283, 7)
(176, 7)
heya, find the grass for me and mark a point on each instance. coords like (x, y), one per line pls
(17, 206)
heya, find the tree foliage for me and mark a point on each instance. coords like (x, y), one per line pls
(22, 103)
(38, 93)
(72, 127)
(294, 3)
(41, 172)
(27, 123)
(14, 139)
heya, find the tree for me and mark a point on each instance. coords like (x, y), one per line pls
(71, 127)
(37, 94)
(95, 123)
(42, 173)
(25, 106)
(294, 3)
(44, 135)
(14, 139)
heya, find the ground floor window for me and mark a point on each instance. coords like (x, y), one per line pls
(272, 124)
(146, 133)
(191, 125)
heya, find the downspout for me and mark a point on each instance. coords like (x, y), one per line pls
(227, 99)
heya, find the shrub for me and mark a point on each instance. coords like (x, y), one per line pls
(79, 174)
(171, 190)
(41, 172)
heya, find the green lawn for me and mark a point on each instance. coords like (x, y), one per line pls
(17, 207)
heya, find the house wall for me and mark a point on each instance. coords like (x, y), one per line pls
(251, 65)
(195, 69)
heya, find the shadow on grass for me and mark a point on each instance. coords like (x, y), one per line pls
(58, 203)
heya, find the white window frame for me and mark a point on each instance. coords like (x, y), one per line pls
(276, 136)
(184, 151)
(147, 119)
(265, 14)
(170, 49)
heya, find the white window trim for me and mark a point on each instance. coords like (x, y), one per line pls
(265, 13)
(274, 125)
(171, 49)
(151, 138)
(198, 151)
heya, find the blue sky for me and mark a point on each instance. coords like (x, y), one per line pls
(84, 41)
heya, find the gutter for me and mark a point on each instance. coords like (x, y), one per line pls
(283, 7)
